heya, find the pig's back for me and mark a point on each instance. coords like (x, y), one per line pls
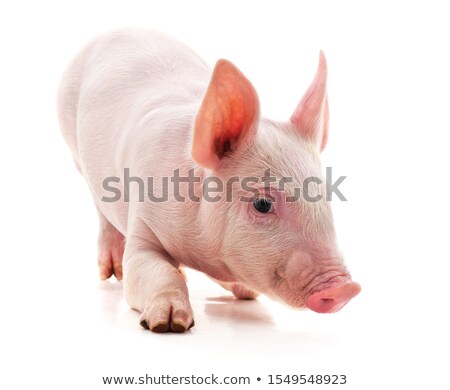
(125, 89)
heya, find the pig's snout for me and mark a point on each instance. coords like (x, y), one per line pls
(333, 298)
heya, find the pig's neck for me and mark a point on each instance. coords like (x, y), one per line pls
(191, 231)
(202, 250)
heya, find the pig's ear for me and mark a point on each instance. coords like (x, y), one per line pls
(227, 118)
(310, 118)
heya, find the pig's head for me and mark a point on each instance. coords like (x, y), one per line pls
(274, 241)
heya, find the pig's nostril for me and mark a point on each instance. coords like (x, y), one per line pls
(325, 305)
(334, 298)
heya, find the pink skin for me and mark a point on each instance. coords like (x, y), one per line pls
(140, 100)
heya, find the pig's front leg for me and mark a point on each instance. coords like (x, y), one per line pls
(154, 286)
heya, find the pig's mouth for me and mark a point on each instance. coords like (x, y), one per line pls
(324, 297)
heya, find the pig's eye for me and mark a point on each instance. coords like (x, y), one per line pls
(263, 205)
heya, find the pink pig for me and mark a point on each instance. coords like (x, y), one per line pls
(143, 101)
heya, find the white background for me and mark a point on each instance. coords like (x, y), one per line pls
(389, 133)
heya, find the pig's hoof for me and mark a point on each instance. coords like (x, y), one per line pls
(168, 312)
(242, 292)
(110, 253)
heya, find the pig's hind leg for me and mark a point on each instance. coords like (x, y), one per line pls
(242, 292)
(239, 290)
(111, 245)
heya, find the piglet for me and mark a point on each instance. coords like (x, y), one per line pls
(138, 107)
